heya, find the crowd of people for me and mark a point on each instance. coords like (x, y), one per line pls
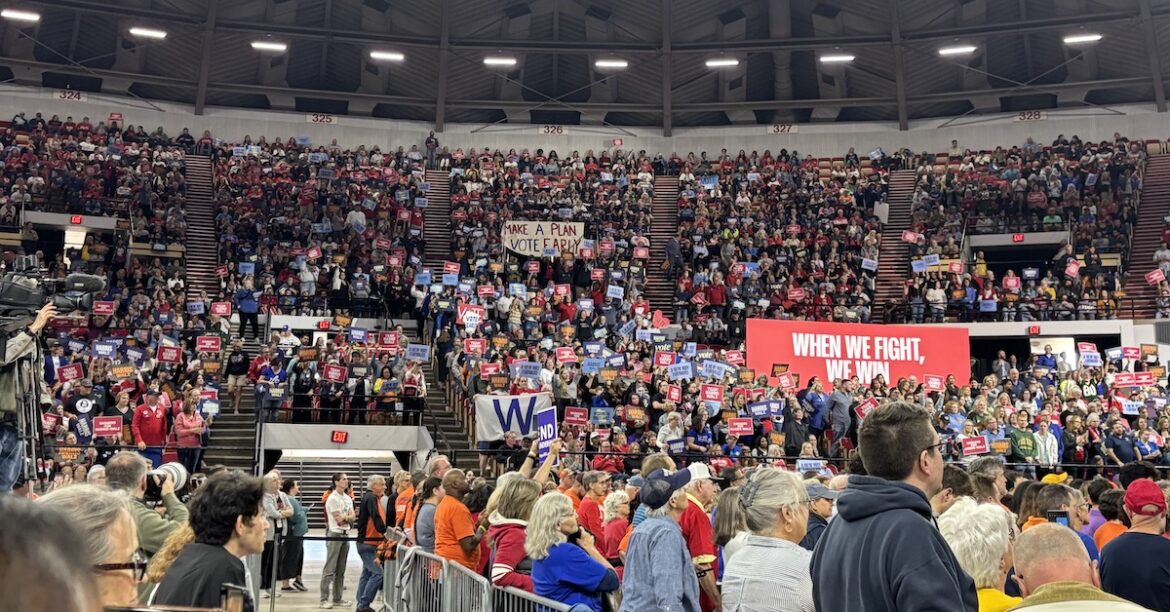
(1089, 190)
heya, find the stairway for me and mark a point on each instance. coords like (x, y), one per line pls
(894, 257)
(316, 477)
(437, 220)
(233, 436)
(1147, 237)
(202, 248)
(659, 288)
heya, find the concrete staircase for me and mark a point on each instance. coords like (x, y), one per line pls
(660, 289)
(202, 248)
(316, 477)
(437, 221)
(233, 436)
(894, 261)
(1147, 236)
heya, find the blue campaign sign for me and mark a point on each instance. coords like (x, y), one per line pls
(246, 268)
(601, 415)
(195, 307)
(593, 348)
(931, 260)
(450, 280)
(676, 446)
(681, 371)
(76, 346)
(135, 355)
(592, 365)
(616, 292)
(628, 327)
(418, 352)
(809, 465)
(422, 278)
(918, 265)
(525, 369)
(357, 334)
(517, 290)
(1091, 359)
(104, 349)
(642, 335)
(987, 305)
(616, 361)
(690, 348)
(765, 409)
(546, 426)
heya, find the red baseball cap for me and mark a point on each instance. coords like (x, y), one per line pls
(1145, 498)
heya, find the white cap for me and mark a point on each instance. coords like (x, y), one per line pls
(700, 471)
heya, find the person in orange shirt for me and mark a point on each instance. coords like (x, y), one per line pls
(1112, 504)
(571, 487)
(404, 507)
(589, 513)
(456, 536)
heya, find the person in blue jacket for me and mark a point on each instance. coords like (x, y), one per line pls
(883, 552)
(248, 308)
(816, 405)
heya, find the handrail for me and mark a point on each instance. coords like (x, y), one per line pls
(901, 311)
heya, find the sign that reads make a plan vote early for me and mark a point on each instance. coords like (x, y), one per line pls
(831, 351)
(531, 238)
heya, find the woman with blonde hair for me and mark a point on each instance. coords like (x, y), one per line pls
(615, 521)
(566, 565)
(771, 571)
(165, 557)
(981, 537)
(508, 510)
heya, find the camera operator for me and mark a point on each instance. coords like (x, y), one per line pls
(20, 347)
(127, 472)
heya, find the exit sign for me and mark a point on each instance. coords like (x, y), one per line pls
(1033, 330)
(339, 437)
(1017, 237)
(76, 219)
(322, 324)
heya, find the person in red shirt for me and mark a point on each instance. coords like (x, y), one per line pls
(699, 535)
(150, 428)
(596, 484)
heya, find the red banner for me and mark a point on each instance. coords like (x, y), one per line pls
(934, 383)
(739, 427)
(955, 267)
(1124, 379)
(534, 266)
(488, 369)
(641, 252)
(208, 344)
(1131, 352)
(475, 346)
(70, 372)
(313, 253)
(597, 274)
(831, 351)
(664, 359)
(909, 236)
(333, 373)
(103, 308)
(221, 309)
(107, 426)
(565, 354)
(796, 294)
(734, 358)
(450, 267)
(674, 393)
(485, 291)
(169, 354)
(1155, 276)
(976, 445)
(711, 393)
(1144, 379)
(864, 408)
(575, 415)
(562, 290)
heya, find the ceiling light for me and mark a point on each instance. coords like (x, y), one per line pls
(148, 33)
(722, 62)
(1080, 39)
(387, 56)
(836, 59)
(957, 50)
(268, 45)
(613, 64)
(19, 15)
(499, 61)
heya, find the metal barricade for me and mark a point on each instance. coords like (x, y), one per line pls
(466, 591)
(420, 581)
(390, 582)
(511, 599)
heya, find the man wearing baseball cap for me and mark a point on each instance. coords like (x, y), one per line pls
(658, 553)
(821, 501)
(1135, 564)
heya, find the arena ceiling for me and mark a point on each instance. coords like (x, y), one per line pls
(1020, 59)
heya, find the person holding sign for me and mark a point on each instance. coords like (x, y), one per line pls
(414, 393)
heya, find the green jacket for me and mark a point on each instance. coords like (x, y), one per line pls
(1023, 445)
(21, 345)
(153, 529)
(298, 523)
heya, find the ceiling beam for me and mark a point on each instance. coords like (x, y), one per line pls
(627, 48)
(1155, 61)
(899, 67)
(205, 57)
(444, 63)
(626, 107)
(667, 50)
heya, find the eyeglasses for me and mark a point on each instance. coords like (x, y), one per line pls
(138, 564)
(939, 446)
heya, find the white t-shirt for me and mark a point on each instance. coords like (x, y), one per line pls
(338, 502)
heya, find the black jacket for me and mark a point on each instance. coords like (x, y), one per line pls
(883, 553)
(197, 575)
(816, 528)
(369, 512)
